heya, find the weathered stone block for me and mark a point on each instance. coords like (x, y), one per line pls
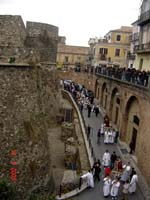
(70, 181)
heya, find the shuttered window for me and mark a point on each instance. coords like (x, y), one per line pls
(68, 115)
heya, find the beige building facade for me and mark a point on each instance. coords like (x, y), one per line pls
(128, 107)
(112, 49)
(70, 56)
(142, 49)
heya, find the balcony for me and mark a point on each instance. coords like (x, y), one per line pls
(131, 56)
(103, 57)
(144, 18)
(135, 37)
(142, 48)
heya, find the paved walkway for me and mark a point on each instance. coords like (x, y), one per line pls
(99, 149)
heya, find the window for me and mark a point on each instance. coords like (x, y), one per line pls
(66, 59)
(118, 101)
(141, 64)
(118, 38)
(68, 115)
(131, 65)
(103, 51)
(94, 51)
(117, 52)
(78, 58)
(109, 59)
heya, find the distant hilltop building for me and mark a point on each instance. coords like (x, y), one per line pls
(37, 42)
(112, 49)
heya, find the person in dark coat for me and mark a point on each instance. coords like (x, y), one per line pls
(89, 110)
(96, 109)
(97, 170)
(98, 136)
(131, 147)
(113, 159)
(88, 131)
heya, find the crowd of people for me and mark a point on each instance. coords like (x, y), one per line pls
(119, 179)
(83, 97)
(131, 74)
(116, 176)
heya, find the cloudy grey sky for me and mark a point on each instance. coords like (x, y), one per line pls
(78, 20)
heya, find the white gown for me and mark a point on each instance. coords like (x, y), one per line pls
(106, 137)
(114, 135)
(115, 188)
(89, 177)
(132, 186)
(106, 159)
(102, 129)
(110, 135)
(106, 187)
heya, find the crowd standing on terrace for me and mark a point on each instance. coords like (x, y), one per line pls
(130, 75)
(119, 179)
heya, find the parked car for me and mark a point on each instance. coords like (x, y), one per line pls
(67, 82)
(90, 93)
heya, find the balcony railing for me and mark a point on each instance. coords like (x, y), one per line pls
(103, 57)
(131, 56)
(142, 48)
(135, 37)
(144, 18)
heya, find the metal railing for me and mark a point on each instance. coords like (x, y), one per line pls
(142, 47)
(144, 17)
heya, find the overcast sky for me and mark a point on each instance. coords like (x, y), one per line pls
(78, 20)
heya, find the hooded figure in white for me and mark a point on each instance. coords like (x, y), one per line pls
(106, 159)
(106, 137)
(89, 178)
(106, 186)
(115, 187)
(133, 182)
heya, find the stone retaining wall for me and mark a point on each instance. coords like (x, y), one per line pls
(28, 106)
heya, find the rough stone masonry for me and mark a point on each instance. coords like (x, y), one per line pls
(28, 105)
(37, 42)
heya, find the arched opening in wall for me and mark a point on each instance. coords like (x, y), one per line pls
(97, 92)
(102, 93)
(115, 106)
(132, 123)
(103, 100)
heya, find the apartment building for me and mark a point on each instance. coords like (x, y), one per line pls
(111, 50)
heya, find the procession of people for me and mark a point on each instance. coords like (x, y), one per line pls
(119, 179)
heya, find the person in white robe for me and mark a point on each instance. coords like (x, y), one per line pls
(115, 188)
(126, 172)
(110, 136)
(106, 186)
(133, 183)
(102, 129)
(89, 178)
(106, 159)
(106, 137)
(114, 135)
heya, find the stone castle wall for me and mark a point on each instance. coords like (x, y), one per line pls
(28, 105)
(12, 31)
(33, 44)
